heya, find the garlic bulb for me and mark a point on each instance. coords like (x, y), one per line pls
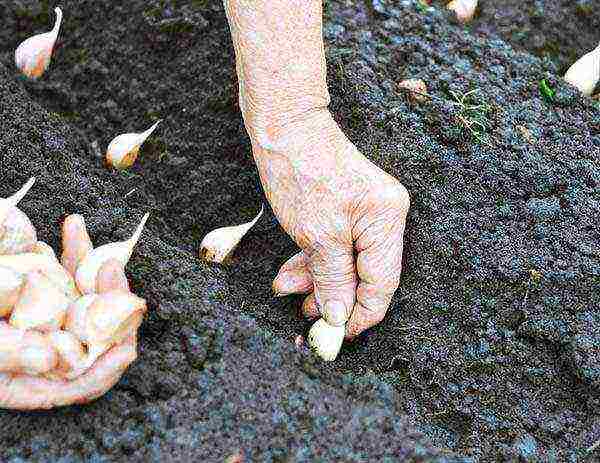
(41, 305)
(120, 251)
(32, 56)
(219, 243)
(124, 149)
(326, 340)
(26, 352)
(28, 262)
(585, 72)
(464, 9)
(17, 234)
(10, 288)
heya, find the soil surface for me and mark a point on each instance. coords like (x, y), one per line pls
(492, 345)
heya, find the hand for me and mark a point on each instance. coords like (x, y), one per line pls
(28, 378)
(346, 214)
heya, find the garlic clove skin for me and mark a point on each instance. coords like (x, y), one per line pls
(17, 233)
(32, 56)
(28, 262)
(27, 352)
(75, 321)
(326, 340)
(585, 72)
(11, 283)
(123, 150)
(71, 355)
(89, 267)
(220, 243)
(41, 306)
(464, 9)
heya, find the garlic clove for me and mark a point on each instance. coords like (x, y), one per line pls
(124, 149)
(464, 9)
(71, 355)
(17, 233)
(11, 283)
(76, 242)
(111, 277)
(585, 72)
(41, 305)
(27, 352)
(417, 89)
(120, 251)
(326, 340)
(220, 243)
(44, 249)
(27, 262)
(32, 56)
(75, 320)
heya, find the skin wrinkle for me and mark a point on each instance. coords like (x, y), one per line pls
(345, 213)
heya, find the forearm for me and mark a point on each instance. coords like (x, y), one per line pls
(280, 62)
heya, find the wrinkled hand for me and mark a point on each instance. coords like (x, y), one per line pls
(22, 391)
(347, 216)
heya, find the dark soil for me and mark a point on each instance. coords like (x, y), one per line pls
(492, 343)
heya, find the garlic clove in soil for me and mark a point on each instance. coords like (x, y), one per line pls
(11, 283)
(27, 352)
(17, 233)
(220, 243)
(71, 355)
(41, 306)
(416, 89)
(32, 56)
(121, 251)
(464, 9)
(28, 262)
(124, 149)
(585, 72)
(326, 340)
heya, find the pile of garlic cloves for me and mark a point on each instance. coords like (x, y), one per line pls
(58, 317)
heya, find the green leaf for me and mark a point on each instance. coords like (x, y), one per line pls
(546, 91)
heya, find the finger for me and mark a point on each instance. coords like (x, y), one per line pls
(334, 278)
(293, 277)
(378, 264)
(24, 351)
(76, 242)
(111, 277)
(309, 307)
(22, 392)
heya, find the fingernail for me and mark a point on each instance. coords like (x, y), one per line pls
(334, 312)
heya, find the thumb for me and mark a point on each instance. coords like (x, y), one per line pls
(334, 278)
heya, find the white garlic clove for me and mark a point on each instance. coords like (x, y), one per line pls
(41, 305)
(124, 149)
(11, 283)
(27, 352)
(28, 262)
(32, 56)
(75, 321)
(417, 89)
(121, 251)
(464, 9)
(17, 233)
(76, 243)
(585, 72)
(220, 243)
(44, 249)
(326, 340)
(71, 355)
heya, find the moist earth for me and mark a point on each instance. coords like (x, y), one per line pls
(491, 347)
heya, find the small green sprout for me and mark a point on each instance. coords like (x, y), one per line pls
(546, 91)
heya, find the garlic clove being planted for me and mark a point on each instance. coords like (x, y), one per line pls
(41, 305)
(124, 149)
(32, 56)
(27, 262)
(464, 9)
(585, 72)
(121, 251)
(17, 233)
(11, 283)
(326, 340)
(220, 243)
